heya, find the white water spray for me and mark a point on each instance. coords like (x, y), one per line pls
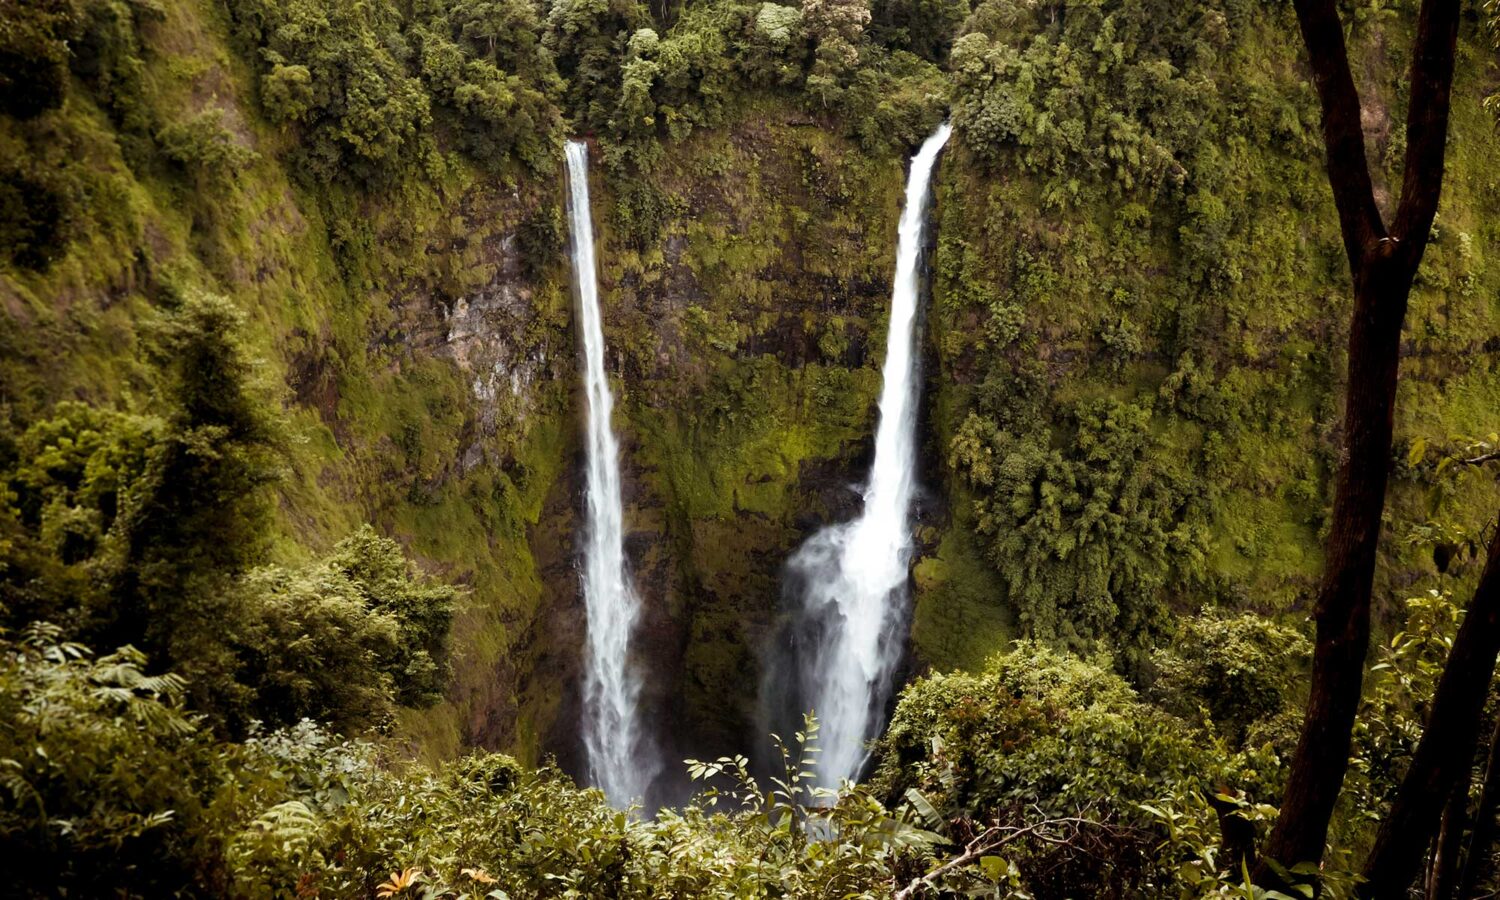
(854, 575)
(618, 761)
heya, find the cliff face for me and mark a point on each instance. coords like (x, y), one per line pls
(1139, 392)
(418, 336)
(421, 338)
(745, 335)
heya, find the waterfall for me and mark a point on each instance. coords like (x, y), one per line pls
(618, 760)
(852, 577)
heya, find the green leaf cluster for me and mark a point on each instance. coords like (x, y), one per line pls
(146, 529)
(1090, 537)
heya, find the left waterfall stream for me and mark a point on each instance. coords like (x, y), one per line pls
(622, 760)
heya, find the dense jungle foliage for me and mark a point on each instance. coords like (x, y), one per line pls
(287, 438)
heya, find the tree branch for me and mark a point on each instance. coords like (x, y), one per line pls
(1383, 270)
(1343, 135)
(1477, 860)
(993, 839)
(1426, 124)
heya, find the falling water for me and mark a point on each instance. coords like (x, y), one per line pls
(853, 576)
(618, 761)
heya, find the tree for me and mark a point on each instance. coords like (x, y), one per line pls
(837, 28)
(587, 40)
(338, 70)
(344, 641)
(483, 63)
(925, 27)
(1476, 867)
(129, 527)
(196, 514)
(1446, 750)
(390, 585)
(1383, 262)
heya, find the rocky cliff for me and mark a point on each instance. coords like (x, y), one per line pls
(1129, 397)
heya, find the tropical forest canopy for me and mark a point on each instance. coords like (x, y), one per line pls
(1205, 593)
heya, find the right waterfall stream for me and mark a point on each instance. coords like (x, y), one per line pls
(849, 581)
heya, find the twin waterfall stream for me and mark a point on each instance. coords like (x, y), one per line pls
(850, 578)
(619, 763)
(853, 576)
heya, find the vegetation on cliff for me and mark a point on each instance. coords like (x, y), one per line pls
(287, 432)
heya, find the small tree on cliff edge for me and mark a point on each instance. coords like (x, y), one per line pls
(1383, 262)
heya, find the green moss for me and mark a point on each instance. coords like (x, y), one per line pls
(1221, 306)
(340, 288)
(962, 615)
(746, 284)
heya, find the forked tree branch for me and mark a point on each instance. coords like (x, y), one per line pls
(1383, 266)
(1343, 134)
(998, 836)
(1427, 123)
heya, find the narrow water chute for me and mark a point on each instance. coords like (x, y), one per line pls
(852, 577)
(620, 759)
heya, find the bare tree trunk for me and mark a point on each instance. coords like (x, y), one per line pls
(1383, 264)
(1445, 755)
(1477, 859)
(665, 13)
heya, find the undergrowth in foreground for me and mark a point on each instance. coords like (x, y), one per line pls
(1047, 776)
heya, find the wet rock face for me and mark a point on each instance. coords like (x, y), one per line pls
(486, 335)
(557, 635)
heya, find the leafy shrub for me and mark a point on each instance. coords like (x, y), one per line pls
(205, 143)
(1088, 537)
(542, 238)
(1037, 727)
(486, 824)
(893, 104)
(1044, 735)
(308, 647)
(69, 480)
(388, 585)
(140, 529)
(198, 508)
(34, 54)
(774, 35)
(836, 29)
(1243, 671)
(137, 799)
(104, 771)
(1396, 700)
(110, 786)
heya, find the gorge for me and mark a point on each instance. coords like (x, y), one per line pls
(425, 427)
